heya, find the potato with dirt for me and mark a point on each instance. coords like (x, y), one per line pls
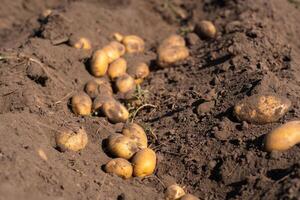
(115, 111)
(119, 167)
(98, 86)
(136, 133)
(117, 68)
(121, 146)
(283, 137)
(81, 104)
(262, 108)
(99, 101)
(174, 192)
(139, 72)
(144, 162)
(124, 83)
(171, 51)
(74, 140)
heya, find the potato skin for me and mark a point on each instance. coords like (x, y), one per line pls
(117, 68)
(115, 111)
(189, 197)
(174, 192)
(99, 101)
(136, 133)
(99, 63)
(144, 162)
(171, 55)
(125, 83)
(83, 43)
(206, 29)
(139, 71)
(173, 40)
(120, 167)
(114, 50)
(121, 146)
(71, 140)
(283, 137)
(81, 104)
(133, 44)
(262, 109)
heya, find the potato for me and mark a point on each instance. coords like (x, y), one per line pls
(119, 167)
(173, 40)
(117, 68)
(262, 109)
(100, 100)
(83, 43)
(139, 71)
(114, 50)
(144, 162)
(121, 146)
(115, 111)
(119, 37)
(71, 140)
(284, 137)
(98, 86)
(206, 29)
(189, 197)
(174, 192)
(81, 104)
(133, 44)
(171, 55)
(136, 133)
(99, 63)
(125, 83)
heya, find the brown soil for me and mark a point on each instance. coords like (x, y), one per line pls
(202, 148)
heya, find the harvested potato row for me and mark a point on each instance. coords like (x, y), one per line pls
(119, 167)
(174, 192)
(262, 109)
(81, 104)
(71, 140)
(284, 137)
(172, 50)
(137, 134)
(206, 29)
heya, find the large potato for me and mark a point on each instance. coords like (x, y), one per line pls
(136, 133)
(121, 146)
(284, 137)
(144, 162)
(71, 140)
(261, 109)
(174, 192)
(81, 104)
(119, 167)
(115, 111)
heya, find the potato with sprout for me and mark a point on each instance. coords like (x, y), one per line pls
(262, 108)
(119, 167)
(81, 104)
(73, 140)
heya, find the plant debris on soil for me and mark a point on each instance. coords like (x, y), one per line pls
(200, 145)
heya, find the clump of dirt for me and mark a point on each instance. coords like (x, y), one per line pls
(199, 143)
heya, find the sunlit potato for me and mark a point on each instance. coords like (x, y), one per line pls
(139, 72)
(114, 50)
(119, 167)
(117, 68)
(81, 104)
(74, 140)
(171, 55)
(121, 146)
(173, 40)
(136, 133)
(83, 43)
(99, 63)
(262, 109)
(174, 192)
(125, 83)
(133, 44)
(144, 162)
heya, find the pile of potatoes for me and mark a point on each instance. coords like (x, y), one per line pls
(131, 145)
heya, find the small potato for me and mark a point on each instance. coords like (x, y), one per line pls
(173, 40)
(118, 36)
(98, 86)
(144, 162)
(125, 83)
(174, 192)
(114, 50)
(83, 43)
(139, 72)
(171, 55)
(119, 167)
(71, 140)
(121, 146)
(100, 100)
(284, 137)
(189, 197)
(133, 44)
(99, 63)
(262, 109)
(136, 133)
(115, 111)
(117, 68)
(81, 104)
(206, 29)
